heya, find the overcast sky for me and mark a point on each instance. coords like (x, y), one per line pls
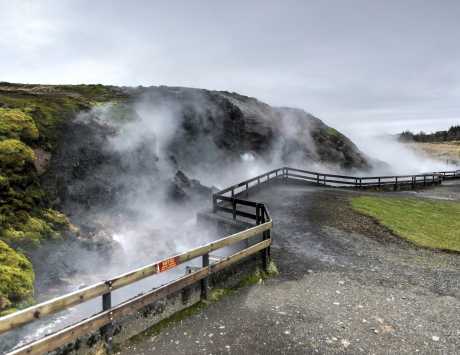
(374, 65)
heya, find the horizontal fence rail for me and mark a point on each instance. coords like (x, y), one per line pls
(230, 201)
(104, 289)
(99, 320)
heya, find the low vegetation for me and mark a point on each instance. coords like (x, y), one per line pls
(31, 117)
(424, 222)
(447, 152)
(452, 134)
(16, 278)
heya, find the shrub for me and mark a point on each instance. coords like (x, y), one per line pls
(14, 154)
(16, 277)
(15, 123)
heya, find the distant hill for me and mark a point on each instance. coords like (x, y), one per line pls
(452, 134)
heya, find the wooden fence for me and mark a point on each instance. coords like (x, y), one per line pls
(395, 181)
(104, 320)
(228, 201)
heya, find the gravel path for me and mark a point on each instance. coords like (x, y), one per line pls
(346, 286)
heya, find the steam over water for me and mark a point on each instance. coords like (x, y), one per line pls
(150, 211)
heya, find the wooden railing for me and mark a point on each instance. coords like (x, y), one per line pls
(104, 320)
(450, 174)
(227, 201)
(395, 181)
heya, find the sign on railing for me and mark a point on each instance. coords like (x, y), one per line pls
(105, 288)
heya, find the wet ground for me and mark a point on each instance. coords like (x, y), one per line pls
(346, 286)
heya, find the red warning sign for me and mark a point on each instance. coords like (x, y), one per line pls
(166, 264)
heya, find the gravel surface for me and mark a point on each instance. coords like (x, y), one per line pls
(346, 286)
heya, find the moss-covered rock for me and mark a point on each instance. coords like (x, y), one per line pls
(31, 118)
(16, 277)
(14, 155)
(30, 230)
(15, 123)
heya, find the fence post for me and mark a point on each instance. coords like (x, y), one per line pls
(205, 281)
(234, 208)
(107, 330)
(214, 203)
(264, 253)
(247, 189)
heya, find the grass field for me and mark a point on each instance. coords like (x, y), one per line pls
(427, 223)
(448, 152)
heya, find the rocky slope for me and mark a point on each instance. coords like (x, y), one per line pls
(77, 162)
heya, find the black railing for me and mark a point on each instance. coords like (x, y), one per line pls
(230, 199)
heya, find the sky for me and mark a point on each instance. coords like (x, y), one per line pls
(373, 66)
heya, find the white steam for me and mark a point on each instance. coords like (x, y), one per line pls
(400, 159)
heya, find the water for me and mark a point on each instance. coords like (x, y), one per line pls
(134, 254)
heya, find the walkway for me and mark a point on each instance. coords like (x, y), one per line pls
(345, 286)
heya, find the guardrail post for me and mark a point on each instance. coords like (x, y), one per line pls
(264, 253)
(214, 203)
(379, 182)
(205, 281)
(247, 189)
(424, 180)
(234, 208)
(107, 330)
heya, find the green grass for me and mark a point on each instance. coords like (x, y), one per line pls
(427, 223)
(333, 132)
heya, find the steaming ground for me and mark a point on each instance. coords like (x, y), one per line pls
(121, 168)
(346, 286)
(398, 158)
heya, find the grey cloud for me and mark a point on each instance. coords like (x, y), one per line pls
(343, 61)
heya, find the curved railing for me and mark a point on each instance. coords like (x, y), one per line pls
(230, 201)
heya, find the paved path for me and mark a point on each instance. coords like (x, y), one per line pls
(344, 288)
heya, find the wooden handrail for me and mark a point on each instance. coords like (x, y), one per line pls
(95, 322)
(60, 303)
(263, 226)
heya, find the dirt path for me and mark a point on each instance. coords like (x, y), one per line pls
(346, 286)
